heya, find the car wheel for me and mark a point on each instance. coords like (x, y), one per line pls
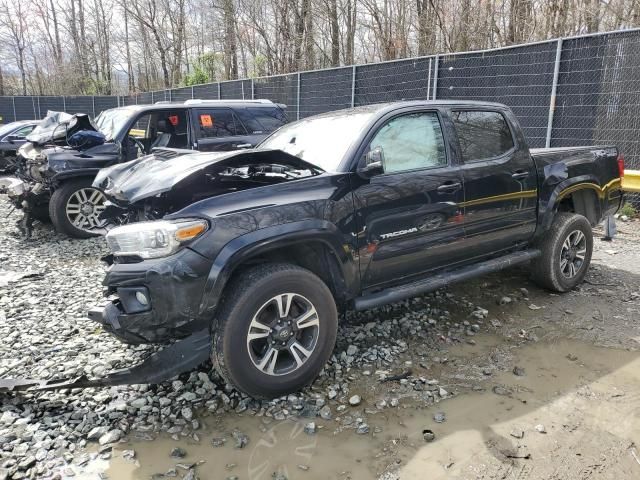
(275, 330)
(74, 208)
(566, 253)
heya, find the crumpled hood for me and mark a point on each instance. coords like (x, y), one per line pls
(164, 169)
(56, 127)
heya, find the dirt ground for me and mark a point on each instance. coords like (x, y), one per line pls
(549, 388)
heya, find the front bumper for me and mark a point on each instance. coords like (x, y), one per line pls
(156, 300)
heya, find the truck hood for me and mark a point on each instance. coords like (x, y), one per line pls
(168, 169)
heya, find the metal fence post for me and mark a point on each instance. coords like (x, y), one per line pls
(353, 87)
(64, 103)
(252, 90)
(39, 111)
(192, 97)
(93, 101)
(15, 117)
(429, 79)
(218, 90)
(435, 78)
(170, 99)
(298, 98)
(242, 88)
(554, 88)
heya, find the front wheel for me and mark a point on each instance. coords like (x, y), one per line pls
(74, 208)
(566, 253)
(275, 330)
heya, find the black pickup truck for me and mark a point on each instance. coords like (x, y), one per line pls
(261, 249)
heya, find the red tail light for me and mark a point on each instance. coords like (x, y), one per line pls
(620, 165)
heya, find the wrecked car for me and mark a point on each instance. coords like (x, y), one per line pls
(12, 137)
(58, 164)
(406, 198)
(253, 254)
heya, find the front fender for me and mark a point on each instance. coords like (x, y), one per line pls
(268, 239)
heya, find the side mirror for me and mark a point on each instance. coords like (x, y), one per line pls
(374, 162)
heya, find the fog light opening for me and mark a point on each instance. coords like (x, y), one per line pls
(142, 298)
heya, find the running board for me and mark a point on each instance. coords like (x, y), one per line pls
(430, 284)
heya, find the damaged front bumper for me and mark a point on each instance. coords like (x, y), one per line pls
(155, 300)
(177, 358)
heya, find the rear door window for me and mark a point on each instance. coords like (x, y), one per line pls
(217, 122)
(262, 119)
(482, 135)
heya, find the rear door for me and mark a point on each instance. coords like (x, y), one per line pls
(408, 216)
(219, 129)
(500, 181)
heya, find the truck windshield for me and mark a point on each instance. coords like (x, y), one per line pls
(111, 121)
(322, 141)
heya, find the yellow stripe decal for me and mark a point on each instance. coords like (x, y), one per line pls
(500, 198)
(601, 191)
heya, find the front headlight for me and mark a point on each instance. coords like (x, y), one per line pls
(154, 239)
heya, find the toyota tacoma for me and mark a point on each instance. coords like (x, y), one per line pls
(258, 251)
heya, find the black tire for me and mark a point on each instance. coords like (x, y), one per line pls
(245, 297)
(549, 270)
(58, 207)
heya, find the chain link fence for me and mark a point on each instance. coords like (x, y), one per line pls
(572, 91)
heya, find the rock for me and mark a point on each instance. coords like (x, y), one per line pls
(218, 441)
(27, 463)
(504, 301)
(97, 432)
(517, 433)
(442, 392)
(304, 468)
(241, 440)
(310, 428)
(518, 371)
(110, 437)
(177, 452)
(187, 414)
(129, 454)
(191, 475)
(534, 307)
(362, 429)
(439, 417)
(428, 435)
(500, 390)
(540, 428)
(325, 413)
(355, 400)
(352, 350)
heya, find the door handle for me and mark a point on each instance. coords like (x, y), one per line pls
(520, 174)
(449, 187)
(244, 145)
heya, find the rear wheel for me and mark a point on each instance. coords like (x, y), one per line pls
(275, 330)
(74, 208)
(566, 253)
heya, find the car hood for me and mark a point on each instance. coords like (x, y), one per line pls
(166, 169)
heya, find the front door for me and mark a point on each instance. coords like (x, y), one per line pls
(408, 217)
(500, 182)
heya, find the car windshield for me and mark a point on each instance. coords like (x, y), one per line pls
(322, 141)
(110, 122)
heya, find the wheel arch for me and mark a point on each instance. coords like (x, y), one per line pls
(314, 245)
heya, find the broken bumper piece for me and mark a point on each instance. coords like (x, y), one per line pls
(182, 356)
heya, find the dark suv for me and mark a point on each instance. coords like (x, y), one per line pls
(57, 177)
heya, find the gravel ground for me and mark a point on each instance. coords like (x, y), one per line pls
(48, 283)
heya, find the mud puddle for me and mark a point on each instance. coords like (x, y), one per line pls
(564, 387)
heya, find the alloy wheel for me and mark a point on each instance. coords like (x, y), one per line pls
(84, 207)
(572, 253)
(283, 334)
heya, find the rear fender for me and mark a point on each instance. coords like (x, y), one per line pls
(266, 240)
(551, 198)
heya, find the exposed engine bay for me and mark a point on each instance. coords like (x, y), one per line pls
(166, 181)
